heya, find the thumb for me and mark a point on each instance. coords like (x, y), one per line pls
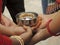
(27, 28)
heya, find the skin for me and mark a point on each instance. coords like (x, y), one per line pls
(6, 21)
(9, 31)
(43, 34)
(9, 28)
(25, 36)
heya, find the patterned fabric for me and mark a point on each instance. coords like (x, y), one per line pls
(46, 3)
(51, 2)
(54, 6)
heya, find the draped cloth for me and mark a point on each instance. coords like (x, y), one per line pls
(4, 40)
(0, 8)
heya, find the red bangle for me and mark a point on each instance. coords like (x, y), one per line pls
(51, 33)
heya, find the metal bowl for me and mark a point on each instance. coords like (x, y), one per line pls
(26, 18)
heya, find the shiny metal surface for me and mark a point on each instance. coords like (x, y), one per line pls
(27, 20)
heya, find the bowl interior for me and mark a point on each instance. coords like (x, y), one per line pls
(27, 15)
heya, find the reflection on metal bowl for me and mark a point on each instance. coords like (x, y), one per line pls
(26, 18)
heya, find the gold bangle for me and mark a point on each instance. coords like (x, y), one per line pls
(19, 39)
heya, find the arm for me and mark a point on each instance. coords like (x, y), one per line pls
(25, 36)
(13, 40)
(43, 34)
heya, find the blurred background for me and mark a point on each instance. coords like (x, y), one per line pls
(36, 6)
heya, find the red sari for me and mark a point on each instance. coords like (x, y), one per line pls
(4, 40)
(0, 8)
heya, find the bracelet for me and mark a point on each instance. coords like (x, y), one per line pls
(19, 39)
(53, 34)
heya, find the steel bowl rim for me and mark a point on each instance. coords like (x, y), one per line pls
(36, 15)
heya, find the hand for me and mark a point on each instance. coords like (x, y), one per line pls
(6, 21)
(36, 38)
(41, 22)
(45, 19)
(38, 23)
(17, 30)
(9, 31)
(40, 35)
(27, 35)
(39, 31)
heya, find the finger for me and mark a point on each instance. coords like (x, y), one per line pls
(26, 36)
(32, 23)
(27, 28)
(39, 18)
(37, 26)
(34, 40)
(38, 23)
(43, 26)
(19, 23)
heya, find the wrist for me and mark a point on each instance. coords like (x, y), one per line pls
(14, 41)
(51, 31)
(17, 40)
